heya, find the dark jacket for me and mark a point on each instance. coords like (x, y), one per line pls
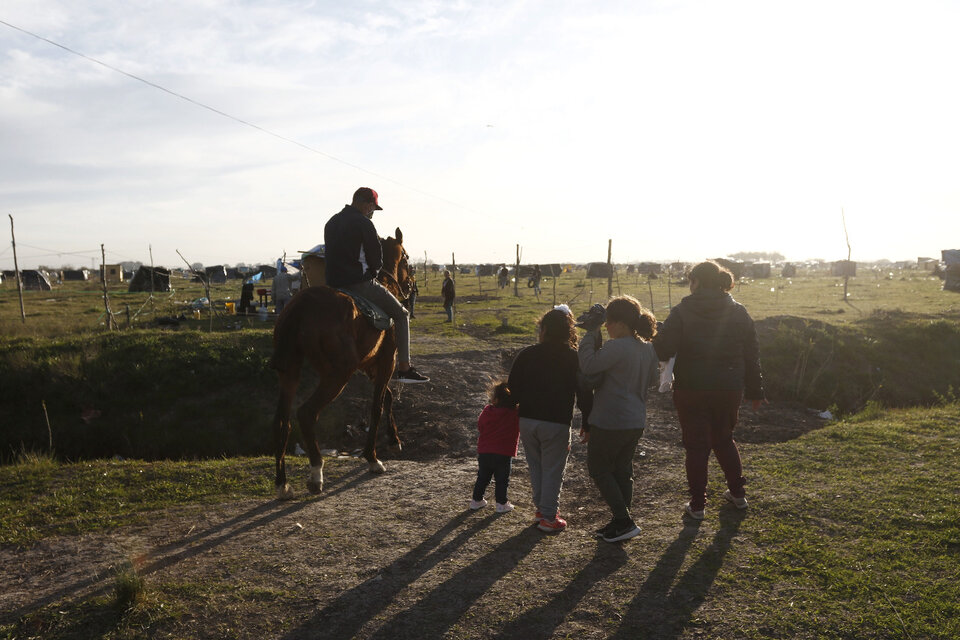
(449, 291)
(353, 252)
(715, 342)
(544, 381)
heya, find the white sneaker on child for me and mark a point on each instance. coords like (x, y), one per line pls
(477, 504)
(505, 507)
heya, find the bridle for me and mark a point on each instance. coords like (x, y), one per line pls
(404, 291)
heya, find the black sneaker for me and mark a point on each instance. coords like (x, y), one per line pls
(623, 531)
(410, 376)
(602, 531)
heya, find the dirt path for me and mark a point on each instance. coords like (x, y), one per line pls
(400, 556)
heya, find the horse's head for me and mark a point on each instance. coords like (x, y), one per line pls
(396, 265)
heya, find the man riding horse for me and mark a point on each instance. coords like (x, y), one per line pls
(353, 259)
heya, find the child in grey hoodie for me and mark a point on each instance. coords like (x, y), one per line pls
(626, 367)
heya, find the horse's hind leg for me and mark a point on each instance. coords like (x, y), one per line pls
(307, 415)
(388, 409)
(281, 429)
(376, 412)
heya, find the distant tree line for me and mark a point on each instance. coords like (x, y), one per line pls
(758, 256)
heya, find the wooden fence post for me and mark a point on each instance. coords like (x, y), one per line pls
(16, 268)
(609, 268)
(103, 281)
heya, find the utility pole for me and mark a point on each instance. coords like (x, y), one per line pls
(103, 281)
(16, 268)
(609, 268)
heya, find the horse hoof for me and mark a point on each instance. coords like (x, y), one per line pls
(314, 487)
(377, 467)
(284, 492)
(398, 445)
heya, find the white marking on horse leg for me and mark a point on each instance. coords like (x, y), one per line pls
(377, 467)
(284, 492)
(315, 483)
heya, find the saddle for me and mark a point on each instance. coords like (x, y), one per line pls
(377, 317)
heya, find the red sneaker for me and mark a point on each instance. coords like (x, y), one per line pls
(556, 525)
(538, 518)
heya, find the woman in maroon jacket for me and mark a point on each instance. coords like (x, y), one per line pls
(717, 365)
(499, 428)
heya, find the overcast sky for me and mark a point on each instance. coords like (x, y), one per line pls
(681, 130)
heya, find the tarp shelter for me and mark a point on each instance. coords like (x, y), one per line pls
(733, 266)
(35, 280)
(789, 270)
(599, 270)
(313, 267)
(267, 270)
(648, 268)
(843, 268)
(760, 270)
(111, 272)
(951, 273)
(486, 270)
(141, 279)
(216, 275)
(552, 270)
(76, 274)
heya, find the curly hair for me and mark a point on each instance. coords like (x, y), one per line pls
(500, 396)
(629, 311)
(556, 326)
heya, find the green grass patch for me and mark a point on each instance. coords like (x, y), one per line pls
(40, 500)
(858, 527)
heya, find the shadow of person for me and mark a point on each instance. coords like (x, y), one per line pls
(434, 614)
(344, 616)
(659, 611)
(542, 621)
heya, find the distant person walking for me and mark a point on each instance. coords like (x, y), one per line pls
(354, 257)
(535, 279)
(503, 277)
(499, 430)
(544, 381)
(449, 292)
(626, 366)
(718, 364)
(283, 287)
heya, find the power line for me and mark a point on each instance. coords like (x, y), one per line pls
(234, 118)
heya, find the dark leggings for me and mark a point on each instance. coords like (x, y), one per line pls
(707, 419)
(492, 465)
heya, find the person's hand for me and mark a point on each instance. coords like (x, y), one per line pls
(593, 318)
(584, 436)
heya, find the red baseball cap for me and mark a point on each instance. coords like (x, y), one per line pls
(366, 194)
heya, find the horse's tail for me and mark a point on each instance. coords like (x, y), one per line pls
(285, 334)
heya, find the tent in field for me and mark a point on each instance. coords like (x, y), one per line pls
(843, 268)
(34, 280)
(733, 266)
(76, 274)
(599, 270)
(951, 279)
(141, 280)
(217, 274)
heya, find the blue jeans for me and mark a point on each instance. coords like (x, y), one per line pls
(492, 465)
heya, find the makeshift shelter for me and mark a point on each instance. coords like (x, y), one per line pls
(552, 270)
(76, 274)
(951, 272)
(928, 264)
(34, 280)
(141, 280)
(842, 268)
(216, 275)
(599, 270)
(733, 266)
(649, 268)
(760, 270)
(486, 270)
(789, 271)
(267, 270)
(111, 272)
(313, 267)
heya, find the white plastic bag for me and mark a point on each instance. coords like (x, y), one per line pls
(666, 375)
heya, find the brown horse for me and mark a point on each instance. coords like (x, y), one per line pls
(323, 326)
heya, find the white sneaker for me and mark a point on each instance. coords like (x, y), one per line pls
(696, 515)
(505, 507)
(478, 504)
(739, 503)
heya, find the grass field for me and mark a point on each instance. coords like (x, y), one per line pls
(853, 532)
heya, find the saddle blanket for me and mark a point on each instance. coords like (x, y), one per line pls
(377, 316)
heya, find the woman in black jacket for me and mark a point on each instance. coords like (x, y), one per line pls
(717, 365)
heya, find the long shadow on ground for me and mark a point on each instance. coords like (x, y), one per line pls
(659, 611)
(344, 617)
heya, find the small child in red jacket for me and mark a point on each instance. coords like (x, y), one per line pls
(499, 426)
